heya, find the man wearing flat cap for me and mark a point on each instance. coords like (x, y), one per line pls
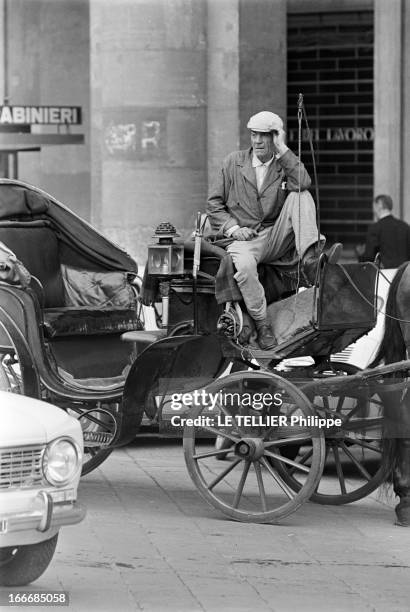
(248, 203)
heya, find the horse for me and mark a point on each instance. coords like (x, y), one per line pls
(395, 346)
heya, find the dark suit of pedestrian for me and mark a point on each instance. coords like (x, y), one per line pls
(391, 238)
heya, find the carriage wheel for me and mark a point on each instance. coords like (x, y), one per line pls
(246, 487)
(353, 452)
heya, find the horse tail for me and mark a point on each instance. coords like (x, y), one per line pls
(392, 348)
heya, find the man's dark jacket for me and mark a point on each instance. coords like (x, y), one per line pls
(391, 238)
(234, 198)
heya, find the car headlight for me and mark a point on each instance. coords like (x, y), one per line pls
(61, 461)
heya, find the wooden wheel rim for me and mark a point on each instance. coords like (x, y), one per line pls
(254, 463)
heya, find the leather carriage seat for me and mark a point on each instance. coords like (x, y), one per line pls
(36, 244)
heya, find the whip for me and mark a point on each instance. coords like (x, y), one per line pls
(195, 268)
(302, 113)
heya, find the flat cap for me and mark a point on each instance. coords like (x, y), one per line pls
(265, 121)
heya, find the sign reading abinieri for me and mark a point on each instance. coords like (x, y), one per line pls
(40, 115)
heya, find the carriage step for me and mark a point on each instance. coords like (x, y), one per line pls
(146, 337)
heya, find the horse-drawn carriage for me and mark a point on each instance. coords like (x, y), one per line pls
(257, 431)
(60, 335)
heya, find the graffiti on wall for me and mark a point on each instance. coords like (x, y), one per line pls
(150, 134)
(121, 138)
(134, 140)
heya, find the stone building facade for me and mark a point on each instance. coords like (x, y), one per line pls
(166, 88)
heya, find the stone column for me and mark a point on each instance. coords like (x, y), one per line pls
(388, 93)
(223, 81)
(262, 60)
(246, 70)
(149, 146)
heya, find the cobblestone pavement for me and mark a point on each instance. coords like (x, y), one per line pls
(149, 542)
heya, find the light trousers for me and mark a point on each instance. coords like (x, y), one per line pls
(284, 243)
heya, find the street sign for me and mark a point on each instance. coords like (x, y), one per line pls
(40, 115)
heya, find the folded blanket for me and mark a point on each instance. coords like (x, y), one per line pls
(226, 287)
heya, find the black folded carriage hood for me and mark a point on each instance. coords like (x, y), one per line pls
(22, 202)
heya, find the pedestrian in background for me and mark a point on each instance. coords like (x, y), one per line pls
(388, 236)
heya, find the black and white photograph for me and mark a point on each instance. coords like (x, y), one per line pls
(205, 305)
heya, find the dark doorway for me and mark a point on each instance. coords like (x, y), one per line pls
(330, 60)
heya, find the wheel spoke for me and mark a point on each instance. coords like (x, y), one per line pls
(365, 444)
(241, 485)
(223, 474)
(229, 415)
(260, 485)
(214, 453)
(339, 469)
(285, 441)
(340, 403)
(291, 494)
(302, 460)
(283, 459)
(326, 405)
(347, 418)
(357, 463)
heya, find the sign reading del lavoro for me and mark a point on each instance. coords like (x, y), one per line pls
(40, 115)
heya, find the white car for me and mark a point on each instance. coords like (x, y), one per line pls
(40, 465)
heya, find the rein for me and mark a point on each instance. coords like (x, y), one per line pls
(302, 114)
(299, 179)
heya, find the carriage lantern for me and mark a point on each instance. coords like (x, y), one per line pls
(165, 258)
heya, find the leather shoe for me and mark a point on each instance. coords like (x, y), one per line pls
(266, 339)
(311, 260)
